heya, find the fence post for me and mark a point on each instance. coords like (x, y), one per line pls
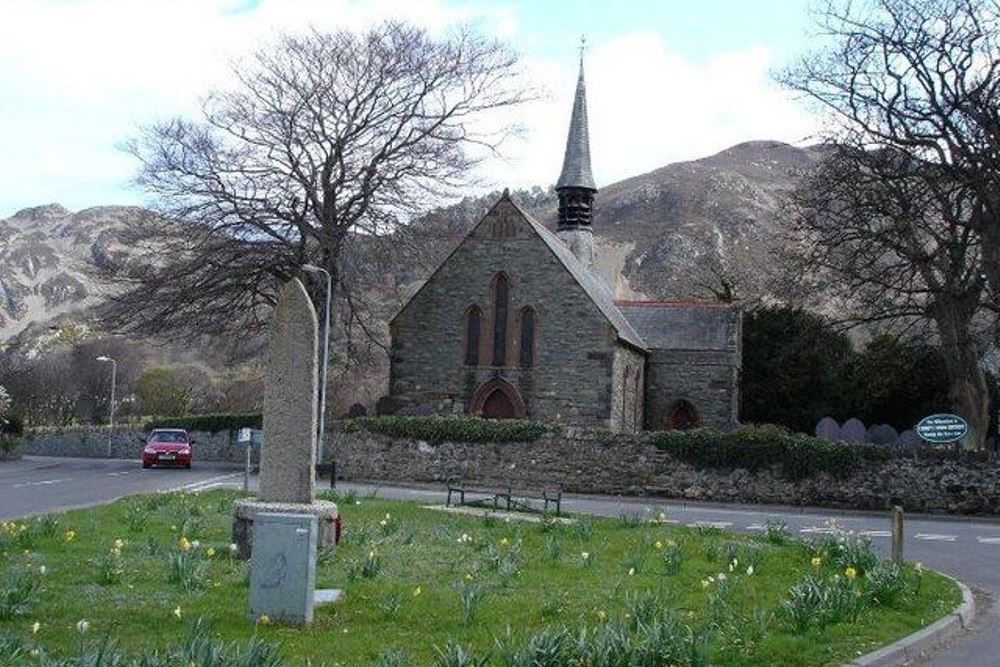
(897, 533)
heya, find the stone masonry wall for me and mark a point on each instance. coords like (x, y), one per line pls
(571, 379)
(709, 380)
(585, 461)
(92, 442)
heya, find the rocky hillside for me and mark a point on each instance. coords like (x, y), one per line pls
(675, 232)
(45, 253)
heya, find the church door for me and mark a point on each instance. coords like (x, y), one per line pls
(498, 406)
(497, 399)
(681, 415)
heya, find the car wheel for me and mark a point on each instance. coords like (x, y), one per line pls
(146, 465)
(188, 466)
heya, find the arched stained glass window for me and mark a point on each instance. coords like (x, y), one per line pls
(501, 297)
(473, 316)
(527, 337)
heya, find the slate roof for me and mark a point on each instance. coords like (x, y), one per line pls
(595, 286)
(681, 325)
(576, 162)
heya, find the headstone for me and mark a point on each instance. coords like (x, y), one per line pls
(853, 430)
(828, 429)
(883, 434)
(283, 576)
(908, 440)
(288, 456)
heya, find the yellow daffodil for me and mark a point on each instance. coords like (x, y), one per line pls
(210, 552)
(183, 544)
(657, 545)
(417, 591)
(850, 572)
(504, 542)
(177, 612)
(601, 614)
(468, 576)
(70, 535)
(263, 619)
(35, 627)
(817, 561)
(119, 544)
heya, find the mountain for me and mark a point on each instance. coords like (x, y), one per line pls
(45, 253)
(672, 233)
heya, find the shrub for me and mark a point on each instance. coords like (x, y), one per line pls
(206, 423)
(756, 447)
(821, 602)
(885, 583)
(452, 428)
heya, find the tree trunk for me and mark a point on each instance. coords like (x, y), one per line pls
(968, 391)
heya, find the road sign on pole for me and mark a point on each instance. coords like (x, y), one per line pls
(942, 428)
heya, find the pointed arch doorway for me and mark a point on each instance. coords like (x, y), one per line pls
(497, 399)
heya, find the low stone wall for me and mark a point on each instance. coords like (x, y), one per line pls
(598, 462)
(92, 442)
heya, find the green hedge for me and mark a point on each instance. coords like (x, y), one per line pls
(451, 429)
(754, 447)
(205, 423)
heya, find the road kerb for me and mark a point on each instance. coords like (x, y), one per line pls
(913, 646)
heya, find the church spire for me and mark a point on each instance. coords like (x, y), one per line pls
(575, 186)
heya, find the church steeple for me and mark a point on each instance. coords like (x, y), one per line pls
(575, 186)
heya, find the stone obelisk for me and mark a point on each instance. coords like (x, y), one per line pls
(288, 451)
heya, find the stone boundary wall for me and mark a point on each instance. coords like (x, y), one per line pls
(599, 462)
(92, 442)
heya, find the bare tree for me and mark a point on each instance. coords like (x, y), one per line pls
(326, 145)
(903, 217)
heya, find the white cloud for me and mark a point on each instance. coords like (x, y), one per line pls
(78, 77)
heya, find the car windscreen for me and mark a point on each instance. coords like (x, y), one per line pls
(168, 436)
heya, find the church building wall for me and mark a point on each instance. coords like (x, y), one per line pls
(629, 390)
(706, 380)
(572, 374)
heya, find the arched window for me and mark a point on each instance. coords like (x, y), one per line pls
(681, 415)
(501, 295)
(628, 373)
(473, 315)
(639, 398)
(527, 337)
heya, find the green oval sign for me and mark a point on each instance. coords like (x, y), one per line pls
(942, 428)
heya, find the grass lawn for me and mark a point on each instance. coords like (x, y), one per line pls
(416, 580)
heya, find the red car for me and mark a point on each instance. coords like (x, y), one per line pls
(167, 446)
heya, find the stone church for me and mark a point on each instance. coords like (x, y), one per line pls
(517, 322)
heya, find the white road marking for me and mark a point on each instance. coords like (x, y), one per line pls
(44, 482)
(710, 524)
(205, 483)
(988, 540)
(120, 473)
(819, 530)
(934, 537)
(755, 526)
(876, 533)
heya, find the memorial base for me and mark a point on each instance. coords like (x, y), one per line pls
(244, 512)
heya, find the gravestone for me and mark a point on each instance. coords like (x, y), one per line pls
(883, 434)
(908, 440)
(853, 430)
(283, 576)
(288, 451)
(828, 429)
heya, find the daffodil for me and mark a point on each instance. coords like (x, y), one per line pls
(119, 544)
(657, 545)
(417, 591)
(263, 619)
(850, 572)
(750, 570)
(210, 552)
(82, 626)
(504, 542)
(177, 612)
(42, 570)
(35, 627)
(183, 544)
(631, 572)
(817, 561)
(70, 535)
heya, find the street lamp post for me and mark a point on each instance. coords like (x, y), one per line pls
(312, 268)
(111, 417)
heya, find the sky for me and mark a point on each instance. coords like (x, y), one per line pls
(667, 80)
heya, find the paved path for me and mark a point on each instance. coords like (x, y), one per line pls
(966, 549)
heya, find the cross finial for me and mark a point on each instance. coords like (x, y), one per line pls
(583, 46)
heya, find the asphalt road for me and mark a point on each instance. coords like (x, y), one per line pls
(966, 549)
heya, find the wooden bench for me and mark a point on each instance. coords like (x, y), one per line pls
(514, 496)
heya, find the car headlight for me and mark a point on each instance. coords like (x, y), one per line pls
(185, 451)
(149, 450)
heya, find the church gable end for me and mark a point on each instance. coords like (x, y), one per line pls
(504, 305)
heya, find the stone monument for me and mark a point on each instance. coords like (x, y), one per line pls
(288, 451)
